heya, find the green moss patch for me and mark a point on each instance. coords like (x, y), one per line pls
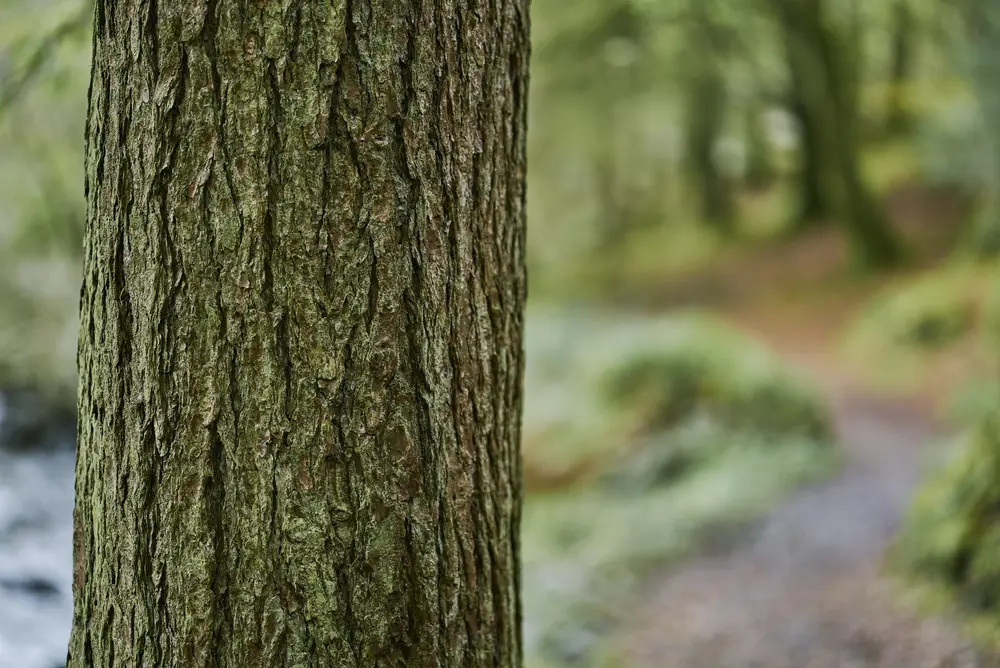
(712, 372)
(928, 313)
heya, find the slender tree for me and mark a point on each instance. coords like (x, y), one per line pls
(759, 172)
(706, 116)
(828, 79)
(300, 347)
(904, 40)
(813, 205)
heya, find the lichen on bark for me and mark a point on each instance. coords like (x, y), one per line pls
(300, 346)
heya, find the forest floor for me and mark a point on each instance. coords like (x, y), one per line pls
(805, 587)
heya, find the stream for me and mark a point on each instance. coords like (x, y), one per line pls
(36, 542)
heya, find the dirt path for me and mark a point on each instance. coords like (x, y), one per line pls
(802, 589)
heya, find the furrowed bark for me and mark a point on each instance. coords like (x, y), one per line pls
(300, 349)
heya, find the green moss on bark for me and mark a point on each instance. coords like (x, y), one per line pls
(300, 346)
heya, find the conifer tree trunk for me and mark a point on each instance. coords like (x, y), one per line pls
(300, 348)
(813, 207)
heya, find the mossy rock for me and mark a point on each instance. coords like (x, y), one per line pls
(667, 457)
(737, 384)
(32, 421)
(951, 534)
(928, 317)
(927, 314)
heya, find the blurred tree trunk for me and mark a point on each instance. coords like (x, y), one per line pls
(813, 207)
(300, 346)
(612, 207)
(829, 91)
(982, 24)
(898, 118)
(706, 116)
(760, 171)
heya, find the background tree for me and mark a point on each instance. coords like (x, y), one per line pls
(905, 38)
(300, 347)
(706, 117)
(829, 78)
(981, 59)
(813, 203)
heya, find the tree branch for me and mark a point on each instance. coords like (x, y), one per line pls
(14, 85)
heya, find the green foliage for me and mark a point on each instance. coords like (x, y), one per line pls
(41, 128)
(38, 325)
(947, 549)
(44, 69)
(596, 388)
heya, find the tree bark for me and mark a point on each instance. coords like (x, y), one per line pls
(300, 348)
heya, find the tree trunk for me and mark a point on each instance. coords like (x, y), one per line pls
(982, 23)
(813, 206)
(829, 95)
(300, 347)
(898, 117)
(759, 172)
(706, 115)
(867, 225)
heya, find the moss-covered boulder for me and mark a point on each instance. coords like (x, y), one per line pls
(700, 392)
(925, 314)
(740, 387)
(951, 534)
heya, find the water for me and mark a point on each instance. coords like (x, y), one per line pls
(36, 544)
